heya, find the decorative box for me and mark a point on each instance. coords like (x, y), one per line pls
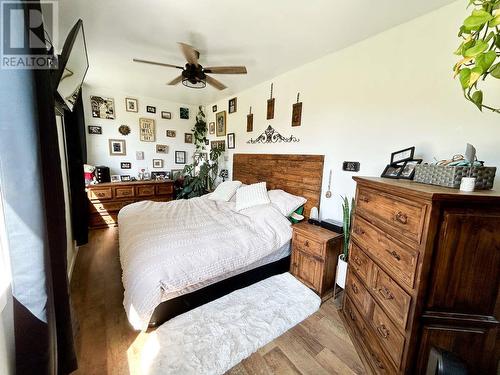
(450, 176)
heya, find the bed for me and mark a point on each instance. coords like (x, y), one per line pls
(178, 255)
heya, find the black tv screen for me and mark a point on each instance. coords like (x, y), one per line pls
(73, 65)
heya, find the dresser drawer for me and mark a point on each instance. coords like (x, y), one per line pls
(392, 297)
(360, 263)
(167, 188)
(144, 191)
(358, 293)
(308, 245)
(124, 192)
(108, 206)
(369, 343)
(388, 335)
(103, 193)
(403, 217)
(399, 260)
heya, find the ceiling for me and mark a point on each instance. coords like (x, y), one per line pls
(269, 37)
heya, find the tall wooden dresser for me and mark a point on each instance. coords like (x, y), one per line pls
(106, 199)
(424, 271)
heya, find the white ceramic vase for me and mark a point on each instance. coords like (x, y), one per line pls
(341, 271)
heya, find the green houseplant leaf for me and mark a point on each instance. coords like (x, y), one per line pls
(477, 98)
(479, 47)
(485, 60)
(477, 19)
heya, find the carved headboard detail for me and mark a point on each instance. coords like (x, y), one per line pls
(296, 174)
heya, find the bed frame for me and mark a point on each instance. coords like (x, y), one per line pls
(297, 174)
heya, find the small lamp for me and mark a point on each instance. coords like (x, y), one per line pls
(223, 174)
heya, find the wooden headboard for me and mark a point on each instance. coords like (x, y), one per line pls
(296, 174)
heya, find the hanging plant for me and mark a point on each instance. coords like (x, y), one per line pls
(479, 50)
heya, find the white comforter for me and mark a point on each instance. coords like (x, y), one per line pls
(167, 247)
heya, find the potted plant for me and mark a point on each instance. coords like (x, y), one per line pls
(347, 210)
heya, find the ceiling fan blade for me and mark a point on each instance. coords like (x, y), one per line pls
(226, 70)
(215, 83)
(189, 53)
(157, 63)
(175, 81)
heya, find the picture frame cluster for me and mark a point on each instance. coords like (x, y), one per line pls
(402, 165)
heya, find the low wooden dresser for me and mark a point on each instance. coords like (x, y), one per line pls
(423, 272)
(314, 257)
(106, 199)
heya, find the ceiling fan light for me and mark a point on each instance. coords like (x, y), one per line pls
(198, 85)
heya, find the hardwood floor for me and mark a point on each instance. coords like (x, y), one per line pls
(107, 345)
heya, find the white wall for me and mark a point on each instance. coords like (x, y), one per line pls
(384, 94)
(97, 145)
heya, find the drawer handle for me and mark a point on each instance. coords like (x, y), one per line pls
(354, 288)
(351, 314)
(378, 362)
(386, 293)
(359, 231)
(357, 261)
(401, 217)
(100, 194)
(306, 243)
(395, 255)
(364, 199)
(383, 331)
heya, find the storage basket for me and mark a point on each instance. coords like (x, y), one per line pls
(450, 176)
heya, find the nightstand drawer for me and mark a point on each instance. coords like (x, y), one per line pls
(308, 245)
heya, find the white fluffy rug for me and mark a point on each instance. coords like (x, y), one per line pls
(214, 337)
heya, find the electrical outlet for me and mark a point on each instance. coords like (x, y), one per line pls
(351, 166)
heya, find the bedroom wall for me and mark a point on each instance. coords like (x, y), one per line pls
(381, 95)
(97, 145)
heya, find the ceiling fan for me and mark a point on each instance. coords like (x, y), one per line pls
(193, 74)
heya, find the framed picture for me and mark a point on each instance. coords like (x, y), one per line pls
(157, 163)
(200, 156)
(184, 113)
(250, 122)
(270, 109)
(171, 133)
(392, 171)
(160, 175)
(211, 128)
(166, 115)
(403, 155)
(214, 108)
(139, 155)
(219, 145)
(131, 105)
(102, 107)
(117, 147)
(176, 173)
(207, 142)
(297, 114)
(115, 178)
(232, 105)
(125, 177)
(162, 149)
(409, 169)
(220, 123)
(188, 138)
(125, 165)
(230, 140)
(92, 129)
(150, 109)
(180, 157)
(147, 129)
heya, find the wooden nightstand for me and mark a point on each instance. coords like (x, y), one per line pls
(314, 257)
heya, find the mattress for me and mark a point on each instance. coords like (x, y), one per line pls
(168, 249)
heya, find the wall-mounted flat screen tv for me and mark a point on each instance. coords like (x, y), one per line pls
(73, 65)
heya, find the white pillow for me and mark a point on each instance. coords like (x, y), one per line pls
(225, 191)
(233, 199)
(285, 202)
(251, 195)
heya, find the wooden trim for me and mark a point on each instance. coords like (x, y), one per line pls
(296, 174)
